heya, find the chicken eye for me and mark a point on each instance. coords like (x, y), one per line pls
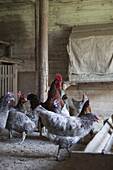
(81, 126)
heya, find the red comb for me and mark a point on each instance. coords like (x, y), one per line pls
(58, 76)
(25, 98)
(19, 94)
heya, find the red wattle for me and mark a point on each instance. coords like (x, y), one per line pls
(58, 84)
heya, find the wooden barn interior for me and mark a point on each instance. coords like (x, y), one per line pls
(36, 43)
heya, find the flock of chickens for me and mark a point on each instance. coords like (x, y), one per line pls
(67, 121)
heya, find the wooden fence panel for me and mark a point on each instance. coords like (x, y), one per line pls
(8, 79)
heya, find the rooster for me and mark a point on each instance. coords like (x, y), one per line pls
(4, 110)
(54, 93)
(65, 131)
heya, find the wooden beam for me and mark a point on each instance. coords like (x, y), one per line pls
(37, 46)
(43, 49)
(5, 43)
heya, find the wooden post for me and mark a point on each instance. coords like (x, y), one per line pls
(0, 81)
(15, 81)
(43, 49)
(37, 46)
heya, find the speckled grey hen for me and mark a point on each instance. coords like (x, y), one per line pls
(4, 101)
(65, 131)
(22, 123)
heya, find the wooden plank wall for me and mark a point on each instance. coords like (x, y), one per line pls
(17, 24)
(63, 15)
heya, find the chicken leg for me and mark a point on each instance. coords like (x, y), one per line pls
(23, 137)
(58, 154)
(10, 134)
(68, 152)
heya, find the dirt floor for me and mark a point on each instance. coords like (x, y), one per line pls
(36, 153)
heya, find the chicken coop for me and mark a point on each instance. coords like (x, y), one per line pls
(42, 39)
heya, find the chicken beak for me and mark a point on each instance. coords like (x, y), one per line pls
(97, 119)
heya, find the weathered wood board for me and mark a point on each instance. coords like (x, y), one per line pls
(17, 24)
(63, 15)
